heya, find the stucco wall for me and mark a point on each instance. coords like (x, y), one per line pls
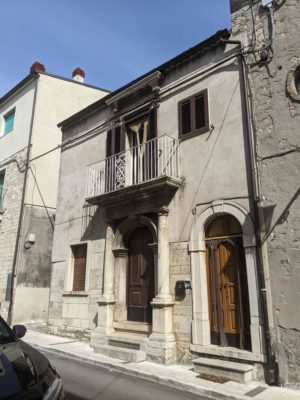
(17, 139)
(212, 165)
(57, 99)
(276, 121)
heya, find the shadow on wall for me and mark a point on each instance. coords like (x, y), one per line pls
(92, 225)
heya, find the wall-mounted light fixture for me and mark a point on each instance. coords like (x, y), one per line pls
(29, 241)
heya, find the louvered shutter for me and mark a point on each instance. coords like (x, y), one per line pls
(79, 253)
(185, 117)
(200, 115)
(193, 115)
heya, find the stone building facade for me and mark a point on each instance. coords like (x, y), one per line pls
(155, 247)
(29, 164)
(270, 28)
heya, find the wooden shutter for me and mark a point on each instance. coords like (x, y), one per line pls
(193, 115)
(79, 254)
(152, 124)
(185, 117)
(115, 141)
(201, 110)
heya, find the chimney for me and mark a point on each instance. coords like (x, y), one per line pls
(78, 75)
(37, 67)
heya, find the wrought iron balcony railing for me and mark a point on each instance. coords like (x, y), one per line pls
(151, 160)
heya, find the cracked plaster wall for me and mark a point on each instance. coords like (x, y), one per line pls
(276, 118)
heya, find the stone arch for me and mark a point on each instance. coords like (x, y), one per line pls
(221, 207)
(200, 321)
(129, 225)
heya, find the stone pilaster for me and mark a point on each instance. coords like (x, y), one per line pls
(162, 345)
(106, 302)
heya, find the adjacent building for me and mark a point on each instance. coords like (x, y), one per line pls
(270, 28)
(29, 167)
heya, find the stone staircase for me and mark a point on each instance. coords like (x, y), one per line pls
(228, 370)
(127, 344)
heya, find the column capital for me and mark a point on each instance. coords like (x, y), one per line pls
(163, 211)
(120, 253)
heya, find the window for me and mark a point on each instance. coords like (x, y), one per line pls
(2, 175)
(193, 115)
(9, 120)
(79, 267)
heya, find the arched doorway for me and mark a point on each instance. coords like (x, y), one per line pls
(140, 276)
(228, 297)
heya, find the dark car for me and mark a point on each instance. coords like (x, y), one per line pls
(25, 373)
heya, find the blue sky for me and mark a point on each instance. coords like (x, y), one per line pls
(113, 41)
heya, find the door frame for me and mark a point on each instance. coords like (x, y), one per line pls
(197, 248)
(120, 251)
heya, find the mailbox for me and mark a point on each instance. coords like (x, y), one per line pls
(180, 289)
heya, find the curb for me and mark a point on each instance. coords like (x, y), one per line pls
(209, 394)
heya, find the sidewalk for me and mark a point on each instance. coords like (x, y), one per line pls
(181, 377)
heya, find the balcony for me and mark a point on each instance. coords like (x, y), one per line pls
(142, 169)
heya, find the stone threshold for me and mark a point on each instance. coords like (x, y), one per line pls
(132, 326)
(228, 352)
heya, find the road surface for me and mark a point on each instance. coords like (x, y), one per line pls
(83, 381)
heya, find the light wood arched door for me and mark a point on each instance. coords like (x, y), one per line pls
(227, 285)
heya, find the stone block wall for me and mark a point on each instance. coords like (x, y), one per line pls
(14, 180)
(180, 270)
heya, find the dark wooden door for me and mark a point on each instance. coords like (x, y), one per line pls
(228, 293)
(140, 279)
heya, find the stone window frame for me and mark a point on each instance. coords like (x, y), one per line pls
(70, 270)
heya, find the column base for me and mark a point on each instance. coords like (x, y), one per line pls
(105, 318)
(161, 348)
(201, 331)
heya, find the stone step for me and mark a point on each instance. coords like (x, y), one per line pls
(125, 354)
(233, 371)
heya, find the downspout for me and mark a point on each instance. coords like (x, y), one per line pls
(14, 265)
(254, 190)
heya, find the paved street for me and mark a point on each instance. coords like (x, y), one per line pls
(86, 382)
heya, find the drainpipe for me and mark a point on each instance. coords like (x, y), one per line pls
(254, 190)
(14, 265)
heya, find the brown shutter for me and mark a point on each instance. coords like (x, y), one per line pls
(122, 138)
(193, 115)
(201, 111)
(109, 143)
(185, 117)
(79, 253)
(152, 123)
(115, 141)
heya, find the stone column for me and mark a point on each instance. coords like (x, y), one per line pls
(162, 345)
(106, 301)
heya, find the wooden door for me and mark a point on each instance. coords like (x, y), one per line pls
(140, 279)
(228, 293)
